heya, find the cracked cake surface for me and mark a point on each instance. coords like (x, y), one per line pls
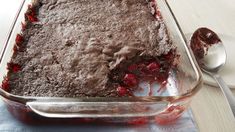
(75, 44)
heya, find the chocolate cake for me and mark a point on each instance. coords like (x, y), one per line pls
(89, 48)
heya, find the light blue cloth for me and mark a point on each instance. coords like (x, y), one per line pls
(9, 124)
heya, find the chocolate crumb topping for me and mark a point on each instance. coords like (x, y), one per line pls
(75, 45)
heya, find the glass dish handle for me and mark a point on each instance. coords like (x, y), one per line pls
(96, 109)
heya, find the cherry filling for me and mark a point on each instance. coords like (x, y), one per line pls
(152, 69)
(31, 15)
(130, 80)
(122, 91)
(5, 84)
(13, 67)
(138, 121)
(19, 39)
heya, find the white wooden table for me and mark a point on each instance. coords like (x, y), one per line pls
(209, 106)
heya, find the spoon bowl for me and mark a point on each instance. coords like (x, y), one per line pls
(211, 56)
(214, 59)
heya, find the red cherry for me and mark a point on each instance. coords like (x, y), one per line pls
(31, 18)
(5, 84)
(132, 67)
(13, 67)
(142, 68)
(16, 68)
(31, 9)
(153, 67)
(19, 39)
(122, 91)
(31, 15)
(169, 55)
(130, 80)
(15, 48)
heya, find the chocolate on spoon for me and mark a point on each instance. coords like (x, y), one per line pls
(201, 40)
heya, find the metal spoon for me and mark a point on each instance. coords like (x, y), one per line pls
(211, 57)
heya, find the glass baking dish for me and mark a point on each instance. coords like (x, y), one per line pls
(183, 83)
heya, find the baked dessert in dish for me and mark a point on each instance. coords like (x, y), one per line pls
(89, 48)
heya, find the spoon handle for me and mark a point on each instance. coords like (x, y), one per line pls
(226, 91)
